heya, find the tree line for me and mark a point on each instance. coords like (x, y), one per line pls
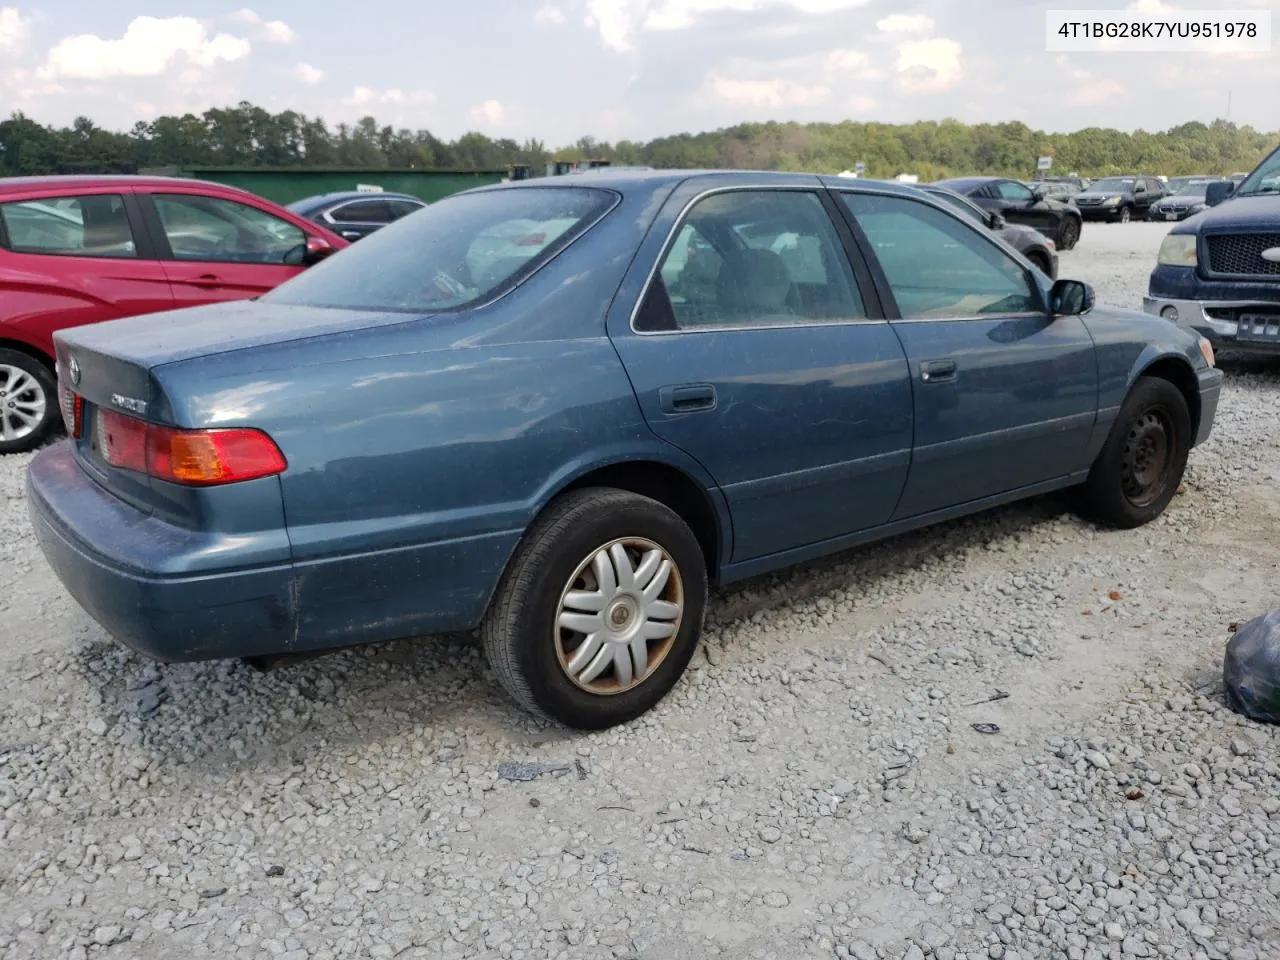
(248, 135)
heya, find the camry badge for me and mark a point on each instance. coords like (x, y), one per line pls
(73, 368)
(1272, 254)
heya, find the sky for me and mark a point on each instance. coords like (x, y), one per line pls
(612, 69)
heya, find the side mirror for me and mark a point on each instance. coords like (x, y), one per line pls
(1070, 298)
(1039, 191)
(1218, 191)
(1139, 189)
(318, 249)
(996, 222)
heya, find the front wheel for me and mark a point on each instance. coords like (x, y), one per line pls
(1069, 235)
(1125, 214)
(600, 609)
(28, 402)
(1142, 463)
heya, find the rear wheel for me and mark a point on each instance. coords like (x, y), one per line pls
(28, 402)
(600, 610)
(1140, 466)
(1069, 235)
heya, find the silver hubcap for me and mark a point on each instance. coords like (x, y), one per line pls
(619, 616)
(22, 403)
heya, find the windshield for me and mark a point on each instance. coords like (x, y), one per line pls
(458, 252)
(1196, 189)
(1266, 179)
(1113, 185)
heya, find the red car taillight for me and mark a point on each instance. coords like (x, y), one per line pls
(72, 406)
(193, 458)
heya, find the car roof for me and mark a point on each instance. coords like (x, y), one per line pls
(648, 181)
(968, 181)
(64, 183)
(322, 200)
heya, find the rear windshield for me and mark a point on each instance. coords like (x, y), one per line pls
(455, 253)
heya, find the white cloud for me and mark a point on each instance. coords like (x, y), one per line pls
(306, 73)
(929, 65)
(149, 46)
(852, 63)
(905, 23)
(617, 20)
(14, 28)
(862, 104)
(775, 92)
(491, 112)
(362, 96)
(549, 14)
(266, 31)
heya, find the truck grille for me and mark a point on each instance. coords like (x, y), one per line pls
(1240, 254)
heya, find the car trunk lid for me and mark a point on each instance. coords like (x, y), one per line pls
(109, 369)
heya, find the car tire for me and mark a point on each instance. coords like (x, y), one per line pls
(1125, 214)
(1041, 262)
(565, 633)
(29, 410)
(1142, 462)
(1069, 234)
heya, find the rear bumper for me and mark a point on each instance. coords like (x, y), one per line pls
(1197, 315)
(207, 615)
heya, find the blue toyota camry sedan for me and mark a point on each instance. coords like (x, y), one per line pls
(557, 410)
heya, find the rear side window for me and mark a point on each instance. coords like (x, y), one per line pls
(461, 251)
(402, 208)
(90, 226)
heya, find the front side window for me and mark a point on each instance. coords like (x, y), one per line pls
(461, 251)
(754, 258)
(213, 229)
(964, 206)
(1265, 179)
(937, 266)
(1009, 190)
(90, 226)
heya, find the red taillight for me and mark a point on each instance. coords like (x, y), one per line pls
(72, 406)
(193, 458)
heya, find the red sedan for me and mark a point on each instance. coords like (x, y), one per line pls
(77, 250)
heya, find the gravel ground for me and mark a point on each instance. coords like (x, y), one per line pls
(814, 788)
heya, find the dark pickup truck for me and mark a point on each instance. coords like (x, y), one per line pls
(1219, 271)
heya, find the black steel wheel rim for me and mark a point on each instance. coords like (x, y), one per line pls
(1147, 459)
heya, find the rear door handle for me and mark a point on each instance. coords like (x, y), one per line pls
(938, 371)
(687, 398)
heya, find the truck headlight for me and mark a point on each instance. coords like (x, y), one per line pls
(1178, 250)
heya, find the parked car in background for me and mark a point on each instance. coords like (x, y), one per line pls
(354, 214)
(76, 250)
(1032, 244)
(1186, 202)
(1219, 273)
(331, 464)
(1018, 203)
(1175, 184)
(1120, 199)
(1055, 189)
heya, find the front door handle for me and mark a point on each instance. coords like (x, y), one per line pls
(687, 398)
(207, 280)
(938, 371)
